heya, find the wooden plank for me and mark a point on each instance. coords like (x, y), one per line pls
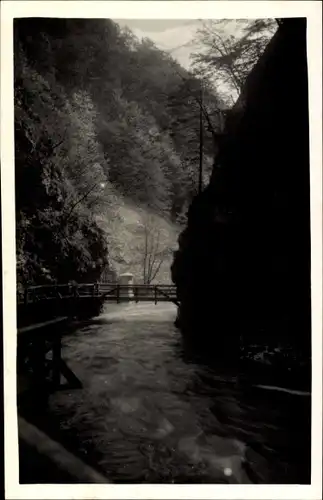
(175, 301)
(145, 292)
(149, 298)
(38, 361)
(56, 362)
(109, 292)
(45, 324)
(71, 378)
(57, 454)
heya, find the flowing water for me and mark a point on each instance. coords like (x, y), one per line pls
(150, 414)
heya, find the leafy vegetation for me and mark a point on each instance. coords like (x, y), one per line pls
(98, 115)
(228, 55)
(102, 117)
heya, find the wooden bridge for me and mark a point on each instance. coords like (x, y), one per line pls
(106, 291)
(43, 316)
(39, 360)
(137, 293)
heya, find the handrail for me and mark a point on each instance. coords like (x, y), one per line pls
(44, 324)
(77, 285)
(172, 300)
(38, 293)
(60, 458)
(110, 291)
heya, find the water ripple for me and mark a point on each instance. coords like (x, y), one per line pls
(153, 417)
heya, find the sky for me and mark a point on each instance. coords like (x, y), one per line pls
(155, 25)
(173, 35)
(176, 37)
(168, 34)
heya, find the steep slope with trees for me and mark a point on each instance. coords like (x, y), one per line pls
(98, 115)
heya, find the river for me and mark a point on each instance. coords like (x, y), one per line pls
(149, 414)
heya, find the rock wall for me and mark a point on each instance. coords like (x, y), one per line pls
(243, 265)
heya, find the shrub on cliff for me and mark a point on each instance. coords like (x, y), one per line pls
(57, 236)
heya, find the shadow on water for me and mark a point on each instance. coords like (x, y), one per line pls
(154, 410)
(274, 425)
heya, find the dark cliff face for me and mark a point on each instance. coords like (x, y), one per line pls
(243, 265)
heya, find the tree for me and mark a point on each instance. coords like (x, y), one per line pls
(197, 123)
(154, 251)
(151, 247)
(227, 58)
(57, 237)
(95, 123)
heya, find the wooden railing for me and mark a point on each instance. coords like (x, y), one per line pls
(138, 293)
(44, 313)
(48, 292)
(107, 291)
(55, 457)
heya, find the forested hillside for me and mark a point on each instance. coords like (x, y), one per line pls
(99, 117)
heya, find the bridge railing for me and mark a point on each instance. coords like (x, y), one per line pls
(110, 291)
(37, 293)
(137, 292)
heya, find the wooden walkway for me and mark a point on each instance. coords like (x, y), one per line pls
(43, 314)
(39, 357)
(106, 291)
(138, 293)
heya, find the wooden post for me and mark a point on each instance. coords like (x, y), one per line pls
(118, 294)
(57, 350)
(155, 294)
(136, 293)
(38, 359)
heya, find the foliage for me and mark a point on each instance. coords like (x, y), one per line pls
(57, 238)
(228, 58)
(98, 112)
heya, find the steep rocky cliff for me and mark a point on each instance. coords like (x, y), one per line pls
(243, 265)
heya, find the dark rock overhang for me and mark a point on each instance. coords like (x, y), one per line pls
(248, 232)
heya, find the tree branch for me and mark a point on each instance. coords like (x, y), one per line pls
(157, 268)
(145, 254)
(78, 202)
(153, 256)
(204, 111)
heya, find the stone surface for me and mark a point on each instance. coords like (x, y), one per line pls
(243, 264)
